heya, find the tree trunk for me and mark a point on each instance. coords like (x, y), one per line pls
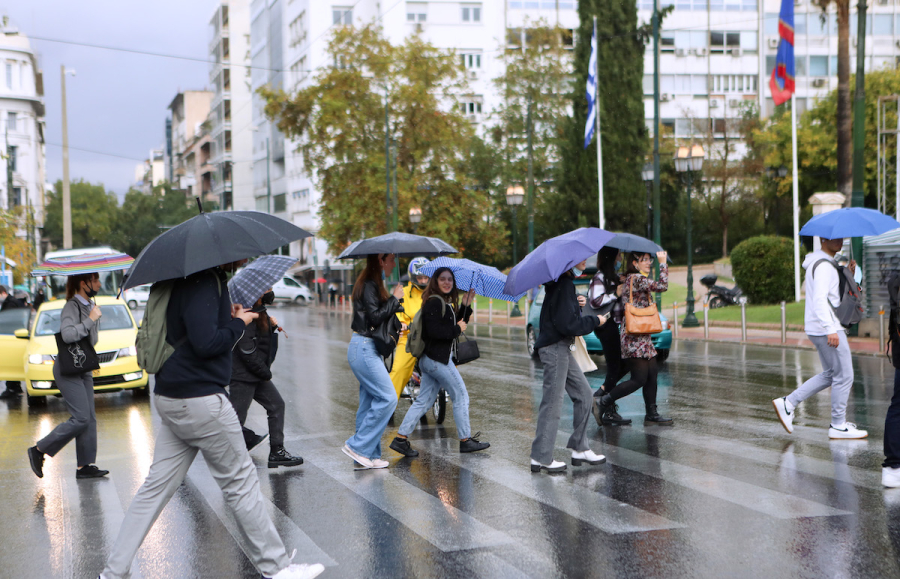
(844, 124)
(723, 215)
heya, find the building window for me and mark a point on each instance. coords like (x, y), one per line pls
(416, 12)
(818, 66)
(471, 13)
(17, 196)
(9, 75)
(12, 153)
(262, 204)
(471, 61)
(279, 203)
(342, 15)
(666, 42)
(883, 24)
(298, 29)
(720, 41)
(11, 121)
(470, 107)
(299, 71)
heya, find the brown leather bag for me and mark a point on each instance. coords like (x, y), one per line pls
(641, 320)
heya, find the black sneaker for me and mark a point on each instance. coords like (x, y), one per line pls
(278, 456)
(653, 417)
(403, 446)
(36, 459)
(90, 471)
(472, 444)
(254, 439)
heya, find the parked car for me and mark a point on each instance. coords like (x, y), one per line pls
(137, 296)
(30, 356)
(290, 290)
(662, 341)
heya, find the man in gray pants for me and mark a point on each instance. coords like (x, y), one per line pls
(830, 339)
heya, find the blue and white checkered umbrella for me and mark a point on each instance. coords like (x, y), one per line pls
(487, 281)
(249, 284)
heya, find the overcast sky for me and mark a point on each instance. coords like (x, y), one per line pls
(117, 100)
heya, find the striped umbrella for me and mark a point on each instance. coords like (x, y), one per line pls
(487, 281)
(87, 263)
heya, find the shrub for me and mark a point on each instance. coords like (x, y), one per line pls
(764, 269)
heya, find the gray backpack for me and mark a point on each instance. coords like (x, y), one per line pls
(415, 340)
(850, 310)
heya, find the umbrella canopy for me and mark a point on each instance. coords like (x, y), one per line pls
(485, 280)
(249, 284)
(87, 263)
(554, 257)
(400, 244)
(849, 222)
(208, 240)
(626, 242)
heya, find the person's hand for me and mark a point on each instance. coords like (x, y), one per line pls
(833, 340)
(602, 319)
(467, 299)
(661, 256)
(619, 290)
(582, 300)
(462, 326)
(96, 313)
(274, 321)
(398, 291)
(244, 315)
(234, 310)
(852, 266)
(403, 328)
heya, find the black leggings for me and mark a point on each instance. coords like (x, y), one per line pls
(608, 334)
(643, 374)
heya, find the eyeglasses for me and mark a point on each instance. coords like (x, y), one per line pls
(645, 258)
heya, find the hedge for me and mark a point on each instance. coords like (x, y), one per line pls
(763, 267)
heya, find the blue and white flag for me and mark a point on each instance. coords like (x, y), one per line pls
(591, 91)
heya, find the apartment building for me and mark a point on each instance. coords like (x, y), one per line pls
(189, 111)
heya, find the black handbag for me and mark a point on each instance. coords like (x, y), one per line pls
(78, 357)
(589, 310)
(386, 335)
(466, 351)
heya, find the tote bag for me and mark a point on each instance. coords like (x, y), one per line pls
(582, 357)
(641, 320)
(78, 357)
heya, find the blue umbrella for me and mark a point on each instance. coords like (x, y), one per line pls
(849, 222)
(249, 284)
(487, 281)
(554, 257)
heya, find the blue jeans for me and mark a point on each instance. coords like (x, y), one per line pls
(434, 377)
(377, 397)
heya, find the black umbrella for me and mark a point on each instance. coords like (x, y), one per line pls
(400, 244)
(626, 242)
(208, 240)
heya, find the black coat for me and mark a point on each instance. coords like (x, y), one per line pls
(11, 303)
(251, 359)
(439, 331)
(369, 312)
(561, 315)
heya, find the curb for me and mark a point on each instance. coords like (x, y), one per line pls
(778, 346)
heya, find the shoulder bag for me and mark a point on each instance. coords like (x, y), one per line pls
(589, 310)
(466, 350)
(78, 357)
(386, 335)
(640, 320)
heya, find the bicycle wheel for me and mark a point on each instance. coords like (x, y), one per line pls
(440, 406)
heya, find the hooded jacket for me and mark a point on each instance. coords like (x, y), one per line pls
(561, 315)
(822, 292)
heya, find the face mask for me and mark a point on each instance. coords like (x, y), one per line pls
(383, 275)
(268, 298)
(90, 292)
(577, 271)
(618, 263)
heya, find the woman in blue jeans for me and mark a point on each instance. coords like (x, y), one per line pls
(372, 305)
(443, 320)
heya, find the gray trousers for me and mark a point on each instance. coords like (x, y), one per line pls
(207, 424)
(561, 374)
(78, 393)
(837, 372)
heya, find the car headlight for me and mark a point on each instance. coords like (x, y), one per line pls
(40, 359)
(129, 351)
(42, 385)
(133, 376)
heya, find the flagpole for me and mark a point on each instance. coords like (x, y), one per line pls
(597, 128)
(796, 201)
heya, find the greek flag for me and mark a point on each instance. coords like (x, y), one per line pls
(591, 91)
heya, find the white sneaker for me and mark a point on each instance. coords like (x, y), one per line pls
(367, 463)
(379, 463)
(587, 456)
(786, 417)
(554, 466)
(890, 477)
(848, 430)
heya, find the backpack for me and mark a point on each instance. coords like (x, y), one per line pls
(415, 340)
(152, 344)
(849, 311)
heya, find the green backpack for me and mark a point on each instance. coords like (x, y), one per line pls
(415, 340)
(152, 347)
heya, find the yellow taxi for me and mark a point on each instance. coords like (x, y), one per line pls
(36, 351)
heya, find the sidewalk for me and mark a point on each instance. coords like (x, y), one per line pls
(772, 338)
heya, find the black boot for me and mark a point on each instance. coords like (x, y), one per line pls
(653, 417)
(278, 456)
(612, 417)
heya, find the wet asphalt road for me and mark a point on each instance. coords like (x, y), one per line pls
(726, 492)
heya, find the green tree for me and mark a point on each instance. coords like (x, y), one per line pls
(142, 217)
(94, 213)
(16, 248)
(340, 122)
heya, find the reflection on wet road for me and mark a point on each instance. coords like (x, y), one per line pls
(725, 493)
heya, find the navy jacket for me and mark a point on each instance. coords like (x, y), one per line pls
(202, 365)
(561, 315)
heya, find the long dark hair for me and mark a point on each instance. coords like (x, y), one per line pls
(633, 257)
(606, 264)
(73, 283)
(372, 272)
(432, 289)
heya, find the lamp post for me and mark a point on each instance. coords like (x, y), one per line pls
(415, 216)
(688, 160)
(515, 195)
(67, 199)
(647, 174)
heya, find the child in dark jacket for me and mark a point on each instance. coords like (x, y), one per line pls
(251, 379)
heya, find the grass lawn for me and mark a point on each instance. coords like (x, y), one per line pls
(760, 314)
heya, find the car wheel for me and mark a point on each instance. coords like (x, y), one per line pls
(530, 339)
(37, 400)
(141, 392)
(717, 302)
(132, 304)
(300, 301)
(662, 356)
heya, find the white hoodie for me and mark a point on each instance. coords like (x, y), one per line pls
(821, 287)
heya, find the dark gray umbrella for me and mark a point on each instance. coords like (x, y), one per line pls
(400, 244)
(626, 242)
(208, 240)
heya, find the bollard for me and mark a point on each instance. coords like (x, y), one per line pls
(783, 324)
(706, 320)
(526, 310)
(508, 307)
(475, 312)
(674, 323)
(881, 328)
(490, 311)
(743, 321)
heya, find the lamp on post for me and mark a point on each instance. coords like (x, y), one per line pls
(415, 217)
(688, 160)
(647, 174)
(515, 195)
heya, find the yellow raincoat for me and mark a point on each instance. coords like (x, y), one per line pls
(404, 363)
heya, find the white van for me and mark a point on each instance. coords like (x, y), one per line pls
(290, 290)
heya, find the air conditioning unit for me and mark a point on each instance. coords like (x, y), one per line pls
(735, 103)
(666, 97)
(701, 52)
(679, 52)
(473, 74)
(773, 43)
(419, 27)
(819, 82)
(735, 52)
(713, 103)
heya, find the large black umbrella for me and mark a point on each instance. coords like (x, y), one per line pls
(626, 242)
(208, 240)
(400, 244)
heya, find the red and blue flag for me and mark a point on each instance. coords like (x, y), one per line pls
(782, 81)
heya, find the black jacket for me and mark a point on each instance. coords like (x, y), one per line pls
(200, 308)
(251, 359)
(561, 315)
(439, 331)
(369, 312)
(11, 303)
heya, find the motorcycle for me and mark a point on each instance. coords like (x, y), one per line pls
(719, 296)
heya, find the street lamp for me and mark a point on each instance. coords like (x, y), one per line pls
(67, 198)
(415, 216)
(688, 160)
(647, 174)
(515, 195)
